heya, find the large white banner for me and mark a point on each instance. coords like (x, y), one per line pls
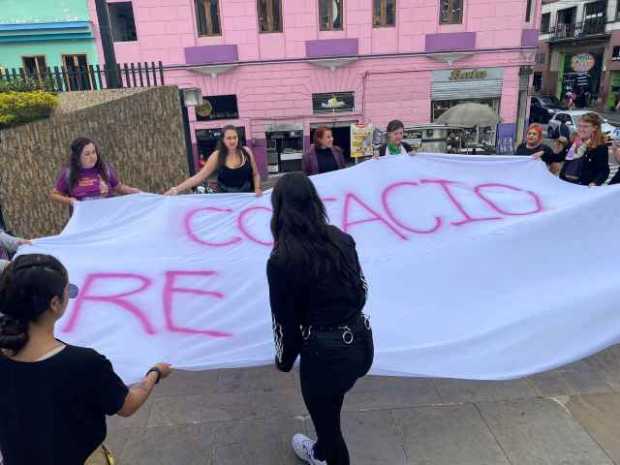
(478, 267)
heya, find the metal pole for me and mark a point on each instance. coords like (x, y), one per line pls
(107, 43)
(188, 136)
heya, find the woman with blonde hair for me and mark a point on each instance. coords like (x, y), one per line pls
(587, 160)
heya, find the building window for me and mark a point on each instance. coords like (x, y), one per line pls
(595, 17)
(615, 55)
(528, 11)
(270, 15)
(34, 66)
(545, 23)
(330, 15)
(78, 76)
(451, 11)
(218, 107)
(384, 13)
(122, 22)
(208, 17)
(333, 102)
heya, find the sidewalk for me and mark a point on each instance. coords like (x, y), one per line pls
(567, 416)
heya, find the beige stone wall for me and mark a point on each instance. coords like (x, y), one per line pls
(68, 102)
(141, 135)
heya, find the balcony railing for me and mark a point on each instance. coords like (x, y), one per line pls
(587, 28)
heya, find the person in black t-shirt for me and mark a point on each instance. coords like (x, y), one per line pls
(234, 164)
(54, 397)
(533, 145)
(317, 292)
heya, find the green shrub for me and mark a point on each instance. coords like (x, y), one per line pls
(24, 107)
(24, 85)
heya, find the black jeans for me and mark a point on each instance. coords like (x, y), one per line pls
(332, 360)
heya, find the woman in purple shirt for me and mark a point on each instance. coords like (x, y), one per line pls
(87, 177)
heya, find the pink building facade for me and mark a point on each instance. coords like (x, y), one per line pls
(277, 86)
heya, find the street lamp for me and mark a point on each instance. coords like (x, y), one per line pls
(189, 97)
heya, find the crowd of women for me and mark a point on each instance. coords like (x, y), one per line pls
(582, 158)
(60, 394)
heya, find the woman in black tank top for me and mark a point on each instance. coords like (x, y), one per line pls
(235, 166)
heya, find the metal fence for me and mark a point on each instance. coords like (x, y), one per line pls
(92, 77)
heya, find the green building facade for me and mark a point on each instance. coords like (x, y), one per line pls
(36, 34)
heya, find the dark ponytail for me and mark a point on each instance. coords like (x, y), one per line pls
(27, 286)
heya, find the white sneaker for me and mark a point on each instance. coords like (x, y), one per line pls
(303, 447)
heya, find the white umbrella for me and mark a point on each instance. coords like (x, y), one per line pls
(469, 114)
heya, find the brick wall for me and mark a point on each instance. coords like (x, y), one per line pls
(141, 135)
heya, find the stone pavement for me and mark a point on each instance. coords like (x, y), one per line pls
(568, 416)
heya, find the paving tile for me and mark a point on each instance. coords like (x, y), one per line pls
(187, 383)
(372, 438)
(599, 415)
(541, 432)
(186, 445)
(447, 435)
(375, 392)
(118, 438)
(286, 402)
(577, 378)
(138, 420)
(266, 378)
(182, 410)
(257, 442)
(608, 362)
(455, 390)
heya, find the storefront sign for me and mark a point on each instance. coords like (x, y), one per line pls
(467, 75)
(582, 63)
(333, 102)
(361, 140)
(218, 107)
(458, 84)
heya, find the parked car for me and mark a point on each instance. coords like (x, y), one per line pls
(571, 117)
(542, 108)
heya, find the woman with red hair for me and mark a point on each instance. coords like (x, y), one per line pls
(323, 155)
(533, 145)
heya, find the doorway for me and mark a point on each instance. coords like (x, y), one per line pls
(341, 131)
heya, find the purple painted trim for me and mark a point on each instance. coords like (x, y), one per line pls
(259, 149)
(450, 41)
(210, 54)
(529, 38)
(331, 48)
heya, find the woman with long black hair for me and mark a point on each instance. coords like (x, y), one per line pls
(54, 397)
(87, 176)
(235, 166)
(317, 292)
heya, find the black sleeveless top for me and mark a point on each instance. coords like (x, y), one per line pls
(236, 179)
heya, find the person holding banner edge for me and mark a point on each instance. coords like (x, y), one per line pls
(323, 155)
(235, 166)
(317, 291)
(53, 393)
(394, 144)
